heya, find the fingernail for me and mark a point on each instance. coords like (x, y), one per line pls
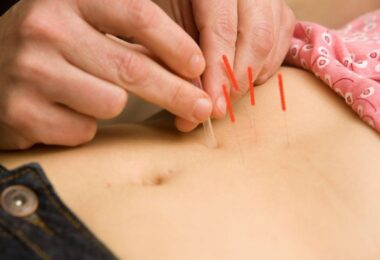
(196, 62)
(202, 109)
(221, 105)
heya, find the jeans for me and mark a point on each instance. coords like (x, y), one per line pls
(35, 224)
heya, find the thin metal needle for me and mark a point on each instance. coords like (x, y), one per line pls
(207, 125)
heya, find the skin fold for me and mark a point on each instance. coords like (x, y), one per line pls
(148, 191)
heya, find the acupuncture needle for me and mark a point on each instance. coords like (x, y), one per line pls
(251, 88)
(283, 104)
(207, 125)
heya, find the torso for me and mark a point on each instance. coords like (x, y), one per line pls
(151, 193)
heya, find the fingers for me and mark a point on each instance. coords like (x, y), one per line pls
(139, 74)
(49, 75)
(255, 41)
(82, 92)
(268, 63)
(264, 40)
(218, 34)
(149, 26)
(285, 24)
(136, 47)
(184, 125)
(52, 124)
(10, 139)
(65, 126)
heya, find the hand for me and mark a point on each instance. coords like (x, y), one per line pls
(253, 33)
(59, 71)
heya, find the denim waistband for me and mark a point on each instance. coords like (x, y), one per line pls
(51, 231)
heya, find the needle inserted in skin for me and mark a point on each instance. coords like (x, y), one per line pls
(283, 104)
(251, 86)
(207, 125)
(282, 92)
(229, 104)
(230, 73)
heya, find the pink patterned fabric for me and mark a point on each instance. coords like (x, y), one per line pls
(347, 60)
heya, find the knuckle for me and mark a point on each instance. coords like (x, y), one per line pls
(143, 13)
(27, 66)
(15, 114)
(38, 24)
(22, 62)
(174, 100)
(130, 68)
(29, 23)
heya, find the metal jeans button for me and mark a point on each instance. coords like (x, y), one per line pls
(19, 201)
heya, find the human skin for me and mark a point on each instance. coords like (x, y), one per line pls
(59, 70)
(151, 192)
(254, 33)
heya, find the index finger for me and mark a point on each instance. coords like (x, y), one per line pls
(145, 22)
(217, 22)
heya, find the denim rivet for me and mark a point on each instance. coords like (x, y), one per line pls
(19, 201)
